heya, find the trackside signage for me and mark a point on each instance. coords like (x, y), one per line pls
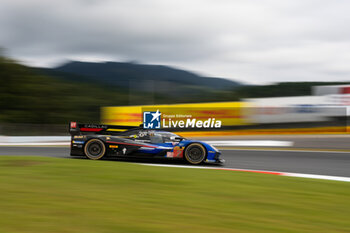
(157, 120)
(229, 113)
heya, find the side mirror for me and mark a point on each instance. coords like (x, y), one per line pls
(174, 138)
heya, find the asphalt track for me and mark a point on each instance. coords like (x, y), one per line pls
(304, 161)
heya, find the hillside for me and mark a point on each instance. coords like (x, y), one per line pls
(142, 77)
(29, 95)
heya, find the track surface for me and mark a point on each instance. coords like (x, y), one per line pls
(321, 163)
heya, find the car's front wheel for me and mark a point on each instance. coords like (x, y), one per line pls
(195, 153)
(95, 149)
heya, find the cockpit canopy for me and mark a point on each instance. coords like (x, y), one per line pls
(163, 137)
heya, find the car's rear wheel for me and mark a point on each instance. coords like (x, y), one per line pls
(195, 153)
(95, 149)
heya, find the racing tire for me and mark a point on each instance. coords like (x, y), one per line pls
(195, 153)
(95, 149)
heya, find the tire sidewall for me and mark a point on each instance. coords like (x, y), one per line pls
(96, 141)
(189, 147)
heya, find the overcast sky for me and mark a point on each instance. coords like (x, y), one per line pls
(254, 41)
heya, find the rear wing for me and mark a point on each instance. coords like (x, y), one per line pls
(81, 129)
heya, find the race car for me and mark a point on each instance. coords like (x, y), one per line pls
(96, 141)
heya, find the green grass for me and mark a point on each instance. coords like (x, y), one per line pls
(70, 195)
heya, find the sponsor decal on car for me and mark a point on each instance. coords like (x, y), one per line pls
(73, 125)
(78, 142)
(170, 154)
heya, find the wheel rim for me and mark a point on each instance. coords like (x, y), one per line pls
(195, 154)
(95, 149)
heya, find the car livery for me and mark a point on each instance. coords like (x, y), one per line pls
(96, 141)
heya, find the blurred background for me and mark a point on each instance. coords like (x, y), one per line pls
(276, 73)
(276, 65)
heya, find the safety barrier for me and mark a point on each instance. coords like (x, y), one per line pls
(229, 113)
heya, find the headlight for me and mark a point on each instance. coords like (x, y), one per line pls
(214, 148)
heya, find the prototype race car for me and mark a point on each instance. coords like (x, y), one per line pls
(97, 141)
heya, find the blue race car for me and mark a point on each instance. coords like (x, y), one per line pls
(97, 141)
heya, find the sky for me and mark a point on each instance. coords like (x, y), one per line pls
(252, 41)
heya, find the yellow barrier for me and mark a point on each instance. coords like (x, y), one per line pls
(281, 131)
(229, 113)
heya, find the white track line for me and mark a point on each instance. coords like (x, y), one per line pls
(286, 150)
(33, 139)
(301, 175)
(322, 177)
(252, 143)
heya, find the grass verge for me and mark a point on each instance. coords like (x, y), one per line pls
(70, 195)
